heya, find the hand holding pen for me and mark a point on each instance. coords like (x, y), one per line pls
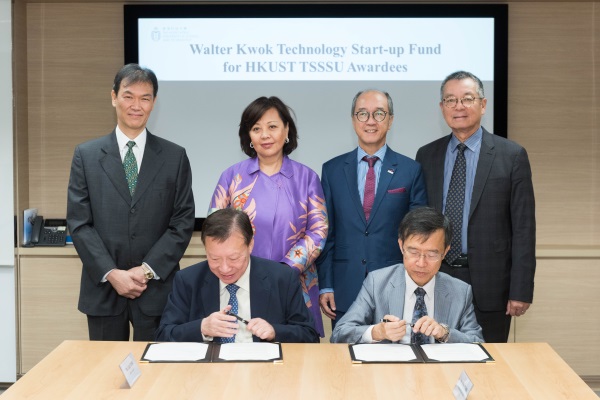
(257, 326)
(389, 320)
(391, 328)
(219, 324)
(228, 312)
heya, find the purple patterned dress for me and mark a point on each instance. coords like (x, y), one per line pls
(288, 215)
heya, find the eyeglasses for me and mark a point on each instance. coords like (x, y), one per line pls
(363, 116)
(468, 101)
(414, 254)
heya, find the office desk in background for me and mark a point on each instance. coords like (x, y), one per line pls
(90, 370)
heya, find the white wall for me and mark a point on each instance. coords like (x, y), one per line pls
(8, 353)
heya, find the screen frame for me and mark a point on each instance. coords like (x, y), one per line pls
(133, 12)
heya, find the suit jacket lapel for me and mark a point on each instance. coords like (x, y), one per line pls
(113, 166)
(441, 300)
(260, 291)
(487, 154)
(210, 293)
(436, 199)
(152, 163)
(397, 287)
(390, 162)
(350, 170)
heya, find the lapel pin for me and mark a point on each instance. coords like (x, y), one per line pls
(391, 171)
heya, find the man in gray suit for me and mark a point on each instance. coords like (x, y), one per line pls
(130, 211)
(438, 306)
(492, 209)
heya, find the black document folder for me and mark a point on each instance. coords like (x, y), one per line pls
(212, 352)
(389, 353)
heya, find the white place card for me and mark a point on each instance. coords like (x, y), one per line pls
(130, 369)
(463, 387)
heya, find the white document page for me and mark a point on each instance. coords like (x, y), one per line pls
(249, 351)
(454, 352)
(383, 352)
(176, 352)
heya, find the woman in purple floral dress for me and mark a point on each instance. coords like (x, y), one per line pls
(282, 197)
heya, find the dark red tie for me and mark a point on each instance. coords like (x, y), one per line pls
(369, 196)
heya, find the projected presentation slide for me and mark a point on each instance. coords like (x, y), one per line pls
(209, 69)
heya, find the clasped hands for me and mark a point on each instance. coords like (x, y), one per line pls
(516, 308)
(129, 283)
(221, 324)
(395, 329)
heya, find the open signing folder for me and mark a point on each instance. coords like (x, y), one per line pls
(212, 352)
(414, 353)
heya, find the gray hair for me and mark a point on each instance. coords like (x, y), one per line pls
(460, 75)
(387, 95)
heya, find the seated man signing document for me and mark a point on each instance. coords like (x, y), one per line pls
(413, 302)
(234, 297)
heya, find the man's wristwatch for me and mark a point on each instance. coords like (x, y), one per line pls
(444, 339)
(147, 272)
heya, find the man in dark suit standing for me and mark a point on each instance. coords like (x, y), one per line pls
(367, 192)
(131, 215)
(234, 297)
(482, 182)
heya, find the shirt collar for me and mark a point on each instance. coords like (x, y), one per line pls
(411, 286)
(472, 142)
(285, 170)
(122, 139)
(379, 153)
(242, 283)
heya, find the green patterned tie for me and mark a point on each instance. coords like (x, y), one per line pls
(131, 168)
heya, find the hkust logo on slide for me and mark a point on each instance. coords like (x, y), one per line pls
(172, 34)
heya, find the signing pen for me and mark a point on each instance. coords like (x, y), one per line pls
(238, 317)
(388, 320)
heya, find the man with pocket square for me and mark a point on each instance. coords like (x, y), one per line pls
(367, 191)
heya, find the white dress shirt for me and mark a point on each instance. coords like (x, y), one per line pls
(410, 299)
(138, 149)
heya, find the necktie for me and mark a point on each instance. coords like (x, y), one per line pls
(455, 201)
(420, 311)
(233, 302)
(131, 169)
(369, 196)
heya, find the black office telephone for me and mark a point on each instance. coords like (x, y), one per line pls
(50, 232)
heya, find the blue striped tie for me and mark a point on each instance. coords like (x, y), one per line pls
(420, 311)
(233, 302)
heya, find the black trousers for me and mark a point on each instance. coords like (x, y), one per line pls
(117, 327)
(494, 324)
(338, 316)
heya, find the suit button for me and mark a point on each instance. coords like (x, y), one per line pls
(364, 261)
(132, 210)
(367, 233)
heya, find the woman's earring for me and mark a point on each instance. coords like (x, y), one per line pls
(251, 145)
(287, 139)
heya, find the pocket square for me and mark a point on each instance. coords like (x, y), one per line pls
(399, 190)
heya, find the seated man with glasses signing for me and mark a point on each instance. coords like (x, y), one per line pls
(413, 302)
